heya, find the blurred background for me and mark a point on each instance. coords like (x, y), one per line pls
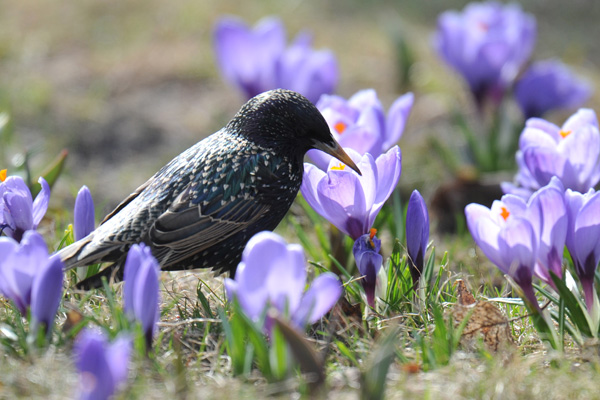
(127, 85)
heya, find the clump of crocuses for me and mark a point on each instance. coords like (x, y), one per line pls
(272, 274)
(256, 59)
(347, 200)
(140, 292)
(570, 152)
(549, 85)
(417, 234)
(360, 123)
(488, 44)
(18, 211)
(31, 278)
(522, 238)
(102, 366)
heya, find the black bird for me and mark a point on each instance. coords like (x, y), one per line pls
(200, 209)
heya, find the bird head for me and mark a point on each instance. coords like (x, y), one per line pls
(286, 120)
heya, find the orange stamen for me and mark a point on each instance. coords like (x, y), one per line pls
(505, 213)
(564, 134)
(339, 167)
(340, 127)
(372, 233)
(2, 175)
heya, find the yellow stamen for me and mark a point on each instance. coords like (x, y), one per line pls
(505, 213)
(339, 167)
(2, 175)
(340, 127)
(564, 134)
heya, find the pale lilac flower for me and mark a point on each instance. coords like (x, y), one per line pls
(83, 214)
(368, 261)
(417, 234)
(583, 237)
(347, 200)
(272, 274)
(488, 44)
(102, 366)
(508, 239)
(18, 211)
(256, 59)
(30, 278)
(570, 153)
(360, 123)
(141, 289)
(549, 85)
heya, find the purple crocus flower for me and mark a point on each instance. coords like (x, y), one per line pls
(18, 211)
(417, 234)
(368, 261)
(29, 277)
(583, 235)
(140, 292)
(256, 60)
(102, 366)
(508, 239)
(549, 85)
(347, 200)
(272, 274)
(83, 214)
(570, 153)
(487, 43)
(360, 123)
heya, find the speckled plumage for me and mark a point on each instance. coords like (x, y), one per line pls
(200, 209)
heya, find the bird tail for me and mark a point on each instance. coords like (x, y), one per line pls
(71, 255)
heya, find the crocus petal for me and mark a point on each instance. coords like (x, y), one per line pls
(310, 180)
(40, 205)
(132, 266)
(118, 355)
(417, 233)
(96, 379)
(322, 295)
(146, 298)
(396, 119)
(484, 231)
(83, 223)
(46, 292)
(20, 211)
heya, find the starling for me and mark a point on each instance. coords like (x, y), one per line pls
(200, 209)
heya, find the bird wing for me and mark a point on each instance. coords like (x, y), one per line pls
(195, 222)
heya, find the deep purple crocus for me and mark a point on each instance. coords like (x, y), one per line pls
(570, 152)
(583, 237)
(417, 234)
(30, 278)
(368, 261)
(507, 237)
(102, 366)
(140, 292)
(347, 200)
(550, 85)
(272, 274)
(83, 215)
(360, 123)
(488, 44)
(256, 59)
(18, 211)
